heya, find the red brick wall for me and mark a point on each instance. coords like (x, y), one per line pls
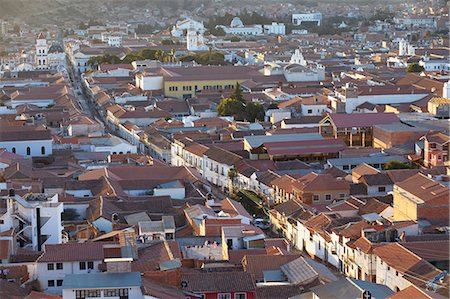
(213, 227)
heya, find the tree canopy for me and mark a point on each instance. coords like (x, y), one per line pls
(211, 57)
(414, 68)
(236, 106)
(395, 165)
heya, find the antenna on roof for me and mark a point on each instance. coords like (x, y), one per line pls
(435, 283)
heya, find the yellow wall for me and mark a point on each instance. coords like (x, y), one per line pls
(179, 92)
(404, 208)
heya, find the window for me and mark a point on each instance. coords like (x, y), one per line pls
(389, 268)
(82, 265)
(316, 197)
(327, 196)
(81, 294)
(115, 293)
(382, 189)
(342, 195)
(345, 167)
(2, 221)
(319, 246)
(59, 282)
(13, 150)
(224, 296)
(240, 296)
(43, 150)
(90, 265)
(59, 266)
(309, 111)
(50, 283)
(50, 267)
(28, 151)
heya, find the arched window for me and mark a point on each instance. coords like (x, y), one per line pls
(43, 150)
(28, 151)
(13, 150)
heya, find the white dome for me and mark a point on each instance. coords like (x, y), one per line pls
(236, 22)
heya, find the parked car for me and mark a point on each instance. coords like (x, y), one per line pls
(261, 223)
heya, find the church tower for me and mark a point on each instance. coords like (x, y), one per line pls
(41, 57)
(298, 58)
(192, 39)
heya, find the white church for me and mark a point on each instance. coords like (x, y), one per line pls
(195, 40)
(181, 27)
(297, 70)
(48, 57)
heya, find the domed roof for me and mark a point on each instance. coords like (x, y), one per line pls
(236, 22)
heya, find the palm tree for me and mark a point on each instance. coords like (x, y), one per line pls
(232, 174)
(172, 55)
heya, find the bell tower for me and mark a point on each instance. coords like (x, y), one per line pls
(41, 56)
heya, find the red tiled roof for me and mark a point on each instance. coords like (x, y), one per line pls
(72, 252)
(205, 282)
(416, 269)
(256, 264)
(413, 292)
(304, 147)
(344, 120)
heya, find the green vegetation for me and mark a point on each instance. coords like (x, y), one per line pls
(396, 165)
(144, 29)
(414, 68)
(251, 202)
(237, 107)
(153, 54)
(211, 57)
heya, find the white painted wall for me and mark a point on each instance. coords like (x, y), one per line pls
(35, 147)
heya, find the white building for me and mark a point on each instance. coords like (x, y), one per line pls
(181, 27)
(113, 39)
(297, 70)
(103, 285)
(405, 48)
(26, 141)
(195, 40)
(237, 28)
(157, 230)
(275, 28)
(59, 260)
(41, 55)
(416, 22)
(297, 19)
(435, 65)
(36, 220)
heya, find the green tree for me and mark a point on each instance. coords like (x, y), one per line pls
(167, 42)
(415, 68)
(237, 94)
(148, 53)
(132, 57)
(254, 111)
(83, 26)
(144, 29)
(231, 107)
(273, 105)
(395, 165)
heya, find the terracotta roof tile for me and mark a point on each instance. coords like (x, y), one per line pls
(233, 281)
(72, 252)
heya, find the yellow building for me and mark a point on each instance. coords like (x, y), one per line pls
(184, 82)
(421, 198)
